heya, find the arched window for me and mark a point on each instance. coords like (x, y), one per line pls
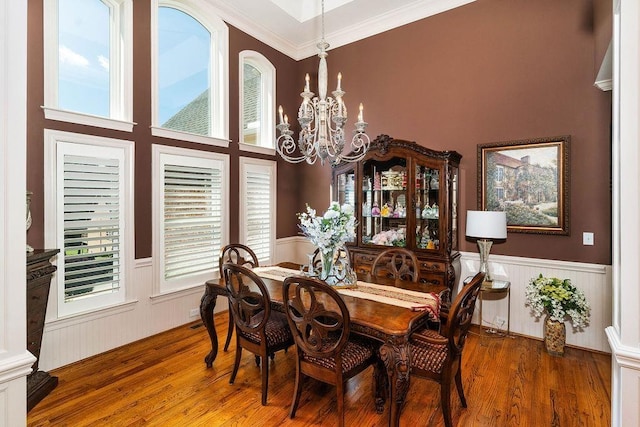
(190, 72)
(257, 101)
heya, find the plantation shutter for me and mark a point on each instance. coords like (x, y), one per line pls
(92, 225)
(192, 230)
(258, 222)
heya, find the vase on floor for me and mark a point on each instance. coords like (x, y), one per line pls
(554, 337)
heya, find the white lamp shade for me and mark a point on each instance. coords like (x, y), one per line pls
(486, 224)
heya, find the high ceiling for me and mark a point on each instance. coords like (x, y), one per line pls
(294, 27)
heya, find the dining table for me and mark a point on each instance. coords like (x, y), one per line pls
(387, 310)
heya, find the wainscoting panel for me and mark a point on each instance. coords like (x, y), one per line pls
(70, 340)
(594, 280)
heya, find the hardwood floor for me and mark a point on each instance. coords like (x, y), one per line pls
(163, 381)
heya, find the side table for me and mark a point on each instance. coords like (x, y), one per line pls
(494, 287)
(39, 272)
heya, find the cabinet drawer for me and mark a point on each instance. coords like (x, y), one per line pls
(364, 259)
(432, 280)
(431, 267)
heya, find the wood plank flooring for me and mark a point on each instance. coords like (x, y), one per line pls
(163, 381)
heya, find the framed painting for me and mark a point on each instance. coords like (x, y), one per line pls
(529, 180)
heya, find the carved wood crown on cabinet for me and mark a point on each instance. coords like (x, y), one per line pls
(405, 194)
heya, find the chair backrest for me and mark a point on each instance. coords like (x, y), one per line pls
(237, 253)
(248, 296)
(460, 314)
(317, 315)
(396, 263)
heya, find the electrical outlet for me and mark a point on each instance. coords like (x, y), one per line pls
(501, 322)
(194, 312)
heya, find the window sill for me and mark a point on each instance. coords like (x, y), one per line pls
(87, 119)
(177, 293)
(191, 137)
(256, 149)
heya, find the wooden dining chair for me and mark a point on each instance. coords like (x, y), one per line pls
(325, 349)
(258, 329)
(437, 355)
(396, 263)
(235, 253)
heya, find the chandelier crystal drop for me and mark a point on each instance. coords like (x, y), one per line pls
(322, 119)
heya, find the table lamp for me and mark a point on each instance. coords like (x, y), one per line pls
(486, 226)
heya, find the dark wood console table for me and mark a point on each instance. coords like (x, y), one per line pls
(39, 272)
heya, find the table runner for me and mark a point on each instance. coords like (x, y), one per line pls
(414, 300)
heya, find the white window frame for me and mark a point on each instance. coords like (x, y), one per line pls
(54, 216)
(204, 13)
(120, 69)
(161, 154)
(266, 145)
(248, 164)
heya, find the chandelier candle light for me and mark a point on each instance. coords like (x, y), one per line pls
(322, 121)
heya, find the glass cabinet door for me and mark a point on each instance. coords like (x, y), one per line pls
(454, 208)
(346, 189)
(384, 202)
(427, 206)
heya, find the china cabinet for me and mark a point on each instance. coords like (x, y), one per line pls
(406, 195)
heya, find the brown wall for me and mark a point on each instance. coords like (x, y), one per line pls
(489, 71)
(494, 71)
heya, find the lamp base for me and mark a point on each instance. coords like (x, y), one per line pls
(485, 246)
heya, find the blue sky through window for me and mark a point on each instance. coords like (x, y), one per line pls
(184, 52)
(83, 56)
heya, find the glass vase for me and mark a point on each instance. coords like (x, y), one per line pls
(336, 269)
(327, 257)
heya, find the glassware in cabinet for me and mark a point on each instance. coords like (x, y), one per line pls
(427, 206)
(384, 202)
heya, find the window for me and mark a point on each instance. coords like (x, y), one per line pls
(258, 207)
(190, 72)
(499, 173)
(190, 216)
(87, 212)
(88, 62)
(257, 102)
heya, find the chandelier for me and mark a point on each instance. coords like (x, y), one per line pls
(322, 119)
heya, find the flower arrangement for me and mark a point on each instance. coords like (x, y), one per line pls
(331, 230)
(559, 298)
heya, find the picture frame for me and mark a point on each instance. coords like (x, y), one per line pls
(529, 180)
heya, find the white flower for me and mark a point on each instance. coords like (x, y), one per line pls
(330, 214)
(332, 230)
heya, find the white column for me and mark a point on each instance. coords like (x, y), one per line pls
(15, 360)
(624, 334)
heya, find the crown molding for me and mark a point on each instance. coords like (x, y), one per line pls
(360, 30)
